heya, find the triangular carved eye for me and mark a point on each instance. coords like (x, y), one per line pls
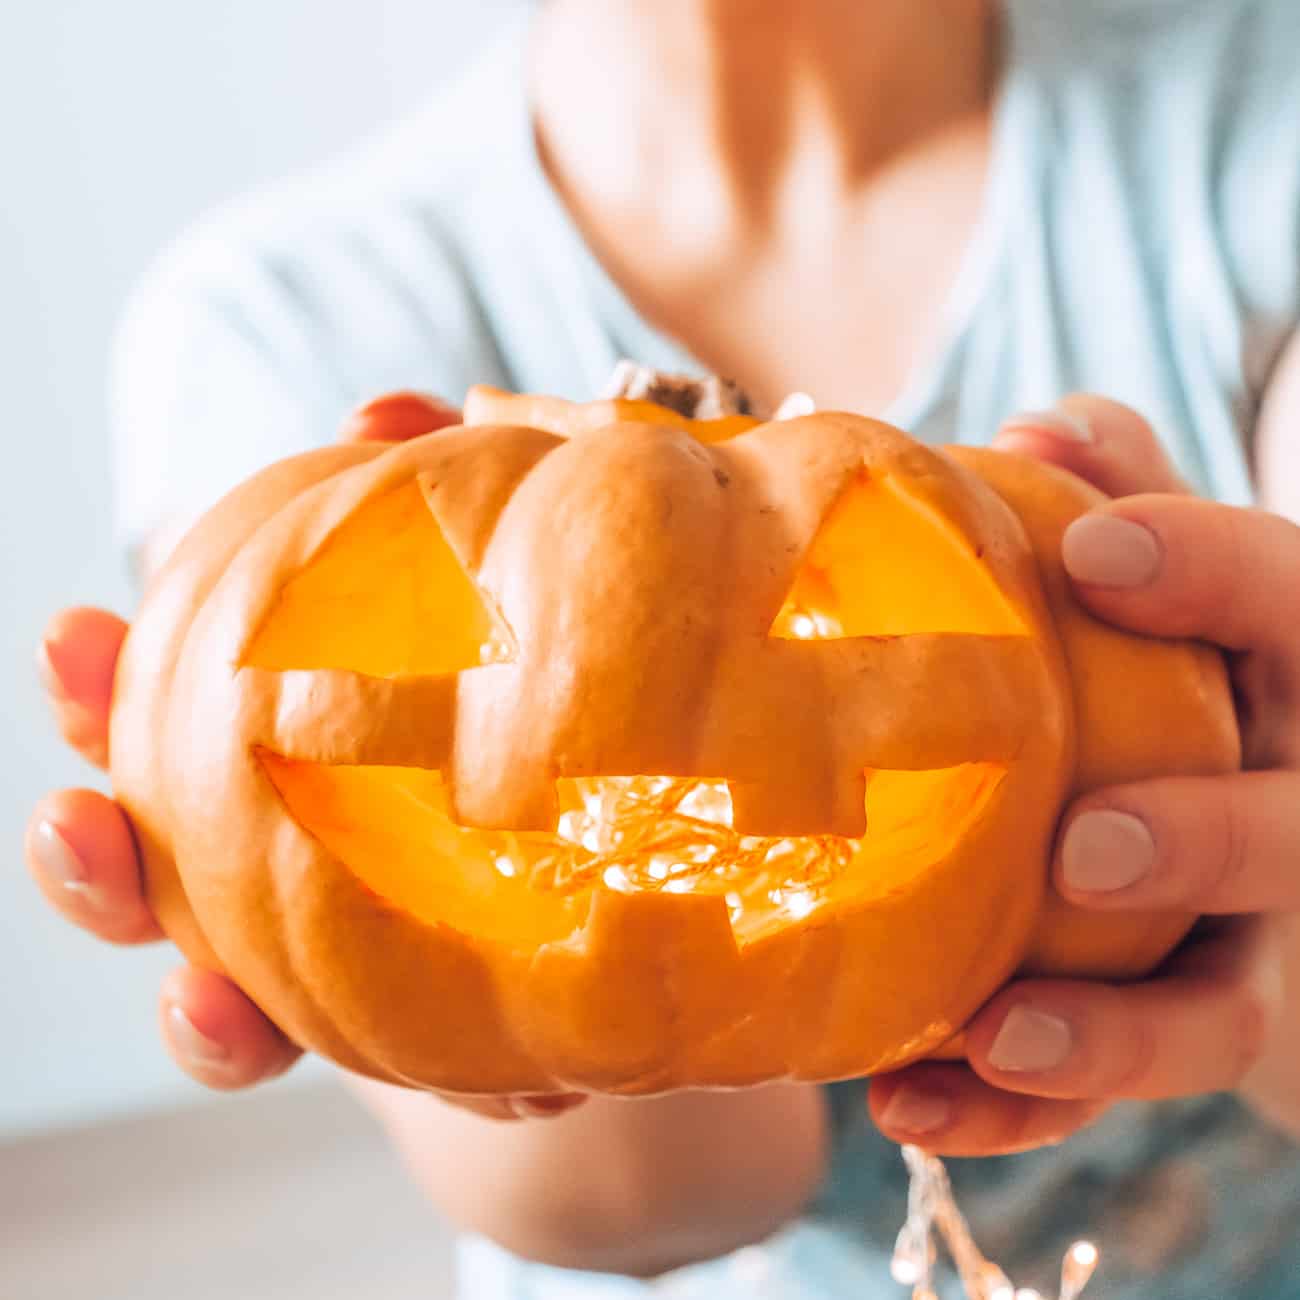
(386, 596)
(884, 564)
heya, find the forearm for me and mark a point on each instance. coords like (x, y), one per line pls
(635, 1187)
(1273, 1086)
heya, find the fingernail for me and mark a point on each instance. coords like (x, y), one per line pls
(1059, 423)
(58, 863)
(1030, 1042)
(1106, 551)
(916, 1110)
(1106, 850)
(46, 671)
(197, 1048)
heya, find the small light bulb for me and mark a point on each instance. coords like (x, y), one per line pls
(804, 626)
(616, 878)
(1083, 1254)
(1077, 1270)
(799, 904)
(905, 1271)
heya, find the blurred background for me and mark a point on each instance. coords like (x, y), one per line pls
(120, 122)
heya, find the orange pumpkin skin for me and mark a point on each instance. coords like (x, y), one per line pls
(145, 667)
(635, 575)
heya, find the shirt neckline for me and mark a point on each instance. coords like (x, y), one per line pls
(619, 318)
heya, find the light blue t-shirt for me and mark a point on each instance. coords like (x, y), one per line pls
(1140, 237)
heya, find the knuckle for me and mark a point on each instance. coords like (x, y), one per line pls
(1253, 1012)
(1223, 853)
(1233, 587)
(132, 931)
(1199, 580)
(1134, 1063)
(85, 736)
(1068, 1120)
(1020, 1126)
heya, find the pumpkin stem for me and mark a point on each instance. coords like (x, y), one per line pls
(710, 398)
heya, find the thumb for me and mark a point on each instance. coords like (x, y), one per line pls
(1109, 445)
(397, 417)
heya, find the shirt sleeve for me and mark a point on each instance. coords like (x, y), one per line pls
(253, 339)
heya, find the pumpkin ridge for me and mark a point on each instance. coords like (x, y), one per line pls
(356, 459)
(341, 494)
(143, 683)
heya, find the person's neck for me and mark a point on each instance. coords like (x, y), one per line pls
(877, 77)
(783, 186)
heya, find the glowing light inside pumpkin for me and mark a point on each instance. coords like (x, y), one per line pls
(395, 828)
(807, 625)
(657, 833)
(799, 904)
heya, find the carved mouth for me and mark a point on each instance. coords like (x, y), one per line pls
(394, 830)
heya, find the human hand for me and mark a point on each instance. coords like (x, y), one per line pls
(83, 856)
(1047, 1057)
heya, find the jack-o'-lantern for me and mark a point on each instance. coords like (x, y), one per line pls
(611, 747)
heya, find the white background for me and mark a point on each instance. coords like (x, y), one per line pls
(120, 121)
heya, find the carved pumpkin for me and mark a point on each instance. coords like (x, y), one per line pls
(596, 746)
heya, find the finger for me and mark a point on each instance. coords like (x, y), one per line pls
(1108, 444)
(548, 1106)
(948, 1110)
(1176, 566)
(510, 1108)
(395, 1105)
(1198, 1028)
(1227, 845)
(76, 660)
(216, 1035)
(545, 1107)
(398, 417)
(82, 855)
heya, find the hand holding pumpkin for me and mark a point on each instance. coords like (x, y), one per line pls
(225, 1041)
(83, 855)
(1047, 1056)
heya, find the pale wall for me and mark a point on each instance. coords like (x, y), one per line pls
(120, 121)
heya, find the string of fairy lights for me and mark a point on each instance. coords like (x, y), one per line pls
(933, 1218)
